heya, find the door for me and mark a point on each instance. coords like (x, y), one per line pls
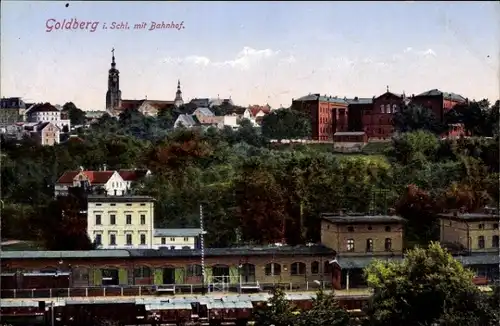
(169, 275)
(248, 273)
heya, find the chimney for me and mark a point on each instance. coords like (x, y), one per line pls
(412, 95)
(104, 167)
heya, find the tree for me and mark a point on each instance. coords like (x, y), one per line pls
(277, 312)
(286, 124)
(414, 117)
(325, 311)
(76, 116)
(429, 287)
(478, 118)
(62, 226)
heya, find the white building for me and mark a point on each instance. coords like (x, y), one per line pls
(176, 238)
(47, 113)
(131, 176)
(110, 182)
(115, 222)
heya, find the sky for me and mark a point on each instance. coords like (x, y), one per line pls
(253, 52)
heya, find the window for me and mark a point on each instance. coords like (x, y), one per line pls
(369, 245)
(350, 229)
(128, 218)
(480, 242)
(194, 271)
(382, 108)
(143, 239)
(273, 269)
(350, 244)
(495, 226)
(142, 271)
(98, 219)
(369, 227)
(388, 108)
(143, 204)
(112, 204)
(112, 219)
(494, 241)
(387, 229)
(388, 244)
(143, 219)
(112, 239)
(315, 267)
(186, 239)
(172, 239)
(129, 204)
(394, 108)
(98, 239)
(163, 241)
(481, 226)
(129, 239)
(298, 269)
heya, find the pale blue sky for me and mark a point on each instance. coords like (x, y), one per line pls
(254, 52)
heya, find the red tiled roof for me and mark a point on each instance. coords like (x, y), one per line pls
(95, 177)
(256, 108)
(132, 175)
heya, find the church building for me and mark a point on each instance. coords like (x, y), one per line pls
(115, 105)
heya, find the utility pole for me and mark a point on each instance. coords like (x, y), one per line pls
(202, 244)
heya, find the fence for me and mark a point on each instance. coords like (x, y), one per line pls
(145, 290)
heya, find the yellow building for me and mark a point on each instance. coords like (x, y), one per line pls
(359, 240)
(362, 235)
(474, 232)
(176, 238)
(121, 221)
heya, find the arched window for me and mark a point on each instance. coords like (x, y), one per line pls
(298, 268)
(194, 271)
(142, 272)
(315, 267)
(273, 269)
(369, 245)
(327, 267)
(388, 244)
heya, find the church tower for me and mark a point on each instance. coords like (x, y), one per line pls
(178, 95)
(113, 95)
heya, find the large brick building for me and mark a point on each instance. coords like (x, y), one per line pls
(440, 103)
(328, 114)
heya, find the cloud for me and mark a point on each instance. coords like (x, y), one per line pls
(244, 60)
(425, 53)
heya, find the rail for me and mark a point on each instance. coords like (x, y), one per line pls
(148, 290)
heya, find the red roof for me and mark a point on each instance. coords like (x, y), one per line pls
(132, 175)
(257, 108)
(95, 177)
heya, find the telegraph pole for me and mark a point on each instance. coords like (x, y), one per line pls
(202, 244)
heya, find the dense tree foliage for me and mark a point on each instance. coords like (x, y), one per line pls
(75, 115)
(429, 287)
(280, 312)
(286, 124)
(245, 185)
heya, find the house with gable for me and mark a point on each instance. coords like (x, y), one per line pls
(135, 175)
(186, 121)
(256, 113)
(110, 182)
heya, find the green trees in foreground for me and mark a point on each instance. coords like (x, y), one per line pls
(428, 288)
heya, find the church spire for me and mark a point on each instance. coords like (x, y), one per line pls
(178, 95)
(113, 63)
